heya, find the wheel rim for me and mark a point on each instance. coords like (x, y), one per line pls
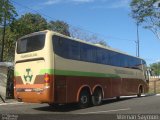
(84, 99)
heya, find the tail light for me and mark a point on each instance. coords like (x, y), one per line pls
(46, 80)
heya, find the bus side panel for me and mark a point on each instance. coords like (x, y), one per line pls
(75, 84)
(131, 86)
(68, 87)
(116, 87)
(60, 89)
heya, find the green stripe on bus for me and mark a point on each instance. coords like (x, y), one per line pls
(77, 73)
(49, 71)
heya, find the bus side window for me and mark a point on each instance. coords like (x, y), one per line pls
(94, 54)
(99, 56)
(74, 51)
(60, 42)
(85, 52)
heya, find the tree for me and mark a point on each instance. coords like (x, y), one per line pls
(7, 11)
(59, 26)
(9, 46)
(147, 13)
(86, 36)
(7, 15)
(155, 67)
(28, 23)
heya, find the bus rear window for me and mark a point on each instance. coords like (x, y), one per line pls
(30, 44)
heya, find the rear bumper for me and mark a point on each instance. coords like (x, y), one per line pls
(35, 97)
(34, 93)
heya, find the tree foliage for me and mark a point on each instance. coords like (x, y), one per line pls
(7, 15)
(155, 67)
(147, 13)
(88, 37)
(7, 11)
(59, 26)
(28, 23)
(9, 46)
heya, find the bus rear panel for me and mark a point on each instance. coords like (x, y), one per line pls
(33, 78)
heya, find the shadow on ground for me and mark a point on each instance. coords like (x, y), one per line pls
(73, 107)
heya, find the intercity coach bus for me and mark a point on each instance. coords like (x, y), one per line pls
(56, 69)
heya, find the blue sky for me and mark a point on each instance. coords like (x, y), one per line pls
(109, 19)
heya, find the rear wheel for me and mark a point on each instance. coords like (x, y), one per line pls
(84, 99)
(140, 91)
(118, 98)
(97, 97)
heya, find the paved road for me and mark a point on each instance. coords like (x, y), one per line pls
(108, 110)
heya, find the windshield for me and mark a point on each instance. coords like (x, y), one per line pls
(30, 44)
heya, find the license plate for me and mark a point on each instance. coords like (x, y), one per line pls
(28, 90)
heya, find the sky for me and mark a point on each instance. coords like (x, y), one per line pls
(109, 19)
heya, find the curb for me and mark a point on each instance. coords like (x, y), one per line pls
(8, 101)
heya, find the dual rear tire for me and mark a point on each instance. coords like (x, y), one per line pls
(97, 97)
(85, 99)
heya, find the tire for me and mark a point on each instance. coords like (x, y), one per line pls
(118, 98)
(97, 97)
(84, 99)
(140, 91)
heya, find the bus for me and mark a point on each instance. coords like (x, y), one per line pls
(56, 69)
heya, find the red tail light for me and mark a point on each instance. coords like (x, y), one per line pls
(46, 79)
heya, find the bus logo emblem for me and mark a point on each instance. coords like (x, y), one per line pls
(28, 77)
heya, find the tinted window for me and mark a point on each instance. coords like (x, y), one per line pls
(74, 50)
(61, 46)
(30, 44)
(85, 52)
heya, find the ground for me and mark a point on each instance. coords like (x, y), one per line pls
(110, 109)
